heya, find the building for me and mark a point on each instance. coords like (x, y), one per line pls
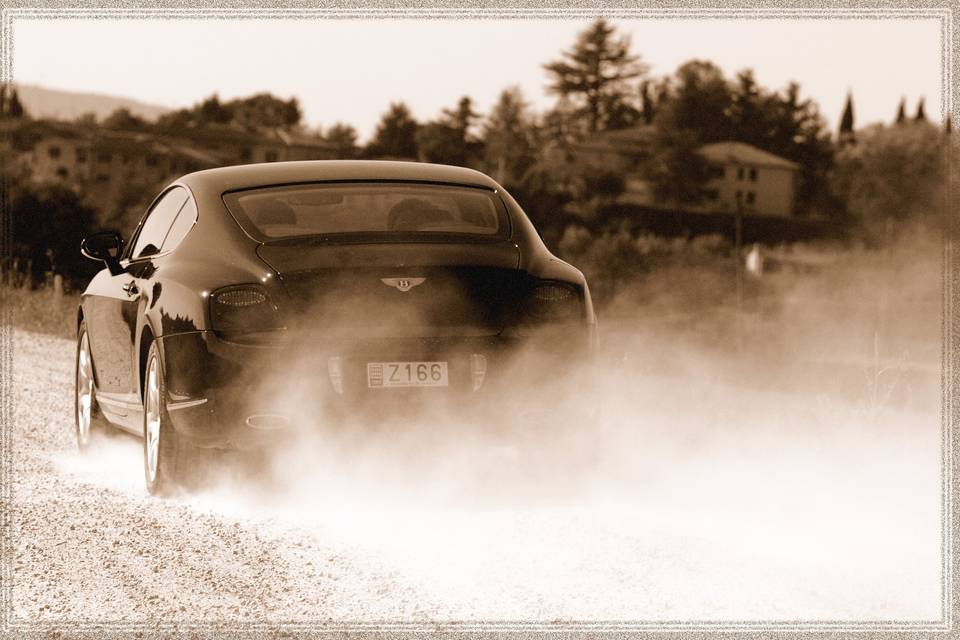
(763, 184)
(235, 145)
(105, 164)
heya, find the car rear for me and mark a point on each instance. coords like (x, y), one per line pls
(380, 293)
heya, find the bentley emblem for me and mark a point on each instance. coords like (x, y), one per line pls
(402, 284)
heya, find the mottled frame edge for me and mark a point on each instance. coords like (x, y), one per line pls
(522, 9)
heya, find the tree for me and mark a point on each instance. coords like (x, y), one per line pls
(53, 245)
(439, 142)
(122, 120)
(395, 136)
(694, 109)
(921, 114)
(448, 140)
(698, 99)
(87, 119)
(647, 108)
(793, 128)
(560, 125)
(902, 111)
(14, 108)
(892, 172)
(173, 121)
(698, 106)
(675, 170)
(344, 138)
(508, 134)
(594, 76)
(212, 110)
(264, 110)
(462, 118)
(846, 121)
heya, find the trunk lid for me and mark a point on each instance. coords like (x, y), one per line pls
(403, 290)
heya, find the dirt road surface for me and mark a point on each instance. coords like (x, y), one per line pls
(814, 511)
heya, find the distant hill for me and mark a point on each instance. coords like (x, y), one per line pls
(41, 102)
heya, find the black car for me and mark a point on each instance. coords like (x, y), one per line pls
(356, 280)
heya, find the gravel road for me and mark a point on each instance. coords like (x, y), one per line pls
(753, 519)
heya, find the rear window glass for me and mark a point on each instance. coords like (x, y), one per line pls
(367, 209)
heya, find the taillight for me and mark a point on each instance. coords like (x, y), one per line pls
(553, 302)
(243, 309)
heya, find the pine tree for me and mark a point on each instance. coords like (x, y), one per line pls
(902, 111)
(509, 136)
(594, 73)
(921, 115)
(846, 121)
(462, 118)
(395, 136)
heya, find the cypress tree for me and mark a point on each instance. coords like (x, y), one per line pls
(14, 108)
(846, 121)
(646, 102)
(902, 111)
(920, 113)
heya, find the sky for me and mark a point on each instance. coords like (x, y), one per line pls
(351, 70)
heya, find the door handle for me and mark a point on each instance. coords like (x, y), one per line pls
(131, 288)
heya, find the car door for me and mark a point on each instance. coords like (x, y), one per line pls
(116, 307)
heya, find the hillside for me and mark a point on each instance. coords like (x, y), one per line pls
(41, 102)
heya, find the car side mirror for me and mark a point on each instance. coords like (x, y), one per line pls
(106, 247)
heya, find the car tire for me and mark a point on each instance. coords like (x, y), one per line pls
(88, 421)
(168, 458)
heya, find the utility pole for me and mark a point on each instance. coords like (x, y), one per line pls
(737, 242)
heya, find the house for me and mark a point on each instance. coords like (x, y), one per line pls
(104, 163)
(237, 145)
(762, 183)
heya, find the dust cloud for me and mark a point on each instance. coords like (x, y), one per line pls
(776, 459)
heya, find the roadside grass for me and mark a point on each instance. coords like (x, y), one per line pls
(853, 324)
(40, 310)
(867, 321)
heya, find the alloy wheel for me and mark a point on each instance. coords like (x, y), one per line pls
(84, 405)
(153, 411)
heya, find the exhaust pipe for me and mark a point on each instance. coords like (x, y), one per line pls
(268, 421)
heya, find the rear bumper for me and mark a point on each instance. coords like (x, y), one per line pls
(230, 394)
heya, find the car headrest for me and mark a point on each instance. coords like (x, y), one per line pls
(413, 213)
(275, 212)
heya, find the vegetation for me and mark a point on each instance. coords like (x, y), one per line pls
(46, 225)
(41, 310)
(344, 138)
(893, 174)
(879, 178)
(396, 134)
(593, 79)
(260, 110)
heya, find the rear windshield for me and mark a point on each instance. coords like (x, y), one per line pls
(388, 210)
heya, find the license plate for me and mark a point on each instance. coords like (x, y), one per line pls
(406, 374)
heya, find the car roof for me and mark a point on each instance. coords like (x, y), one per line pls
(249, 176)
